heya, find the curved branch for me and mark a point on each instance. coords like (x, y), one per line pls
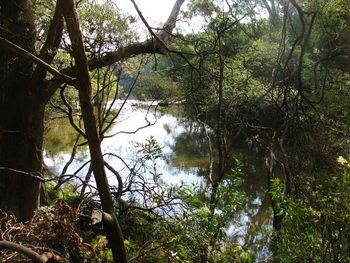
(70, 113)
(118, 176)
(163, 37)
(148, 46)
(145, 47)
(36, 175)
(22, 250)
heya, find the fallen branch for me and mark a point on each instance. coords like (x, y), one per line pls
(22, 250)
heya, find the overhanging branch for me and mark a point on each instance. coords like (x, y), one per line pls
(27, 55)
(145, 47)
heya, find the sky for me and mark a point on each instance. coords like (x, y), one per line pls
(155, 11)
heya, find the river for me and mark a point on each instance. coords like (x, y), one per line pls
(184, 160)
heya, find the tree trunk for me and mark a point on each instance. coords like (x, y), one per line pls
(110, 222)
(21, 114)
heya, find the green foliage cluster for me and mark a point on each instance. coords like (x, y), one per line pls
(316, 225)
(261, 88)
(277, 193)
(156, 87)
(105, 26)
(155, 83)
(184, 236)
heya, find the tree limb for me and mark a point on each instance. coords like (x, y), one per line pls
(22, 250)
(118, 176)
(148, 46)
(162, 38)
(37, 177)
(27, 55)
(70, 113)
(53, 40)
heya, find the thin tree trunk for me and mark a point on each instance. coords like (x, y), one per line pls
(110, 222)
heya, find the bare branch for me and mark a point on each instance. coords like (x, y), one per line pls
(119, 178)
(22, 250)
(70, 113)
(105, 129)
(27, 55)
(37, 177)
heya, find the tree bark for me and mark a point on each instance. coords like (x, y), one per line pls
(21, 114)
(271, 9)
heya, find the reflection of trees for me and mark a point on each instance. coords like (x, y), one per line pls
(257, 208)
(192, 145)
(254, 238)
(190, 148)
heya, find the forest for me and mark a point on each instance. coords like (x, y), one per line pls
(220, 135)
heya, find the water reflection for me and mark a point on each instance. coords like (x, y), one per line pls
(253, 223)
(185, 159)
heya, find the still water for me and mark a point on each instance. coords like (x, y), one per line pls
(184, 160)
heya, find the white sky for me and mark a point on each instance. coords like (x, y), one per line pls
(155, 11)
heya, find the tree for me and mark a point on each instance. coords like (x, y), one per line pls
(214, 95)
(23, 98)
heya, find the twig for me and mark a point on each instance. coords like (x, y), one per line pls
(38, 177)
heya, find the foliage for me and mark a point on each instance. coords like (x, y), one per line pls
(230, 199)
(199, 225)
(156, 87)
(106, 28)
(154, 82)
(316, 225)
(66, 193)
(102, 252)
(277, 193)
(150, 151)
